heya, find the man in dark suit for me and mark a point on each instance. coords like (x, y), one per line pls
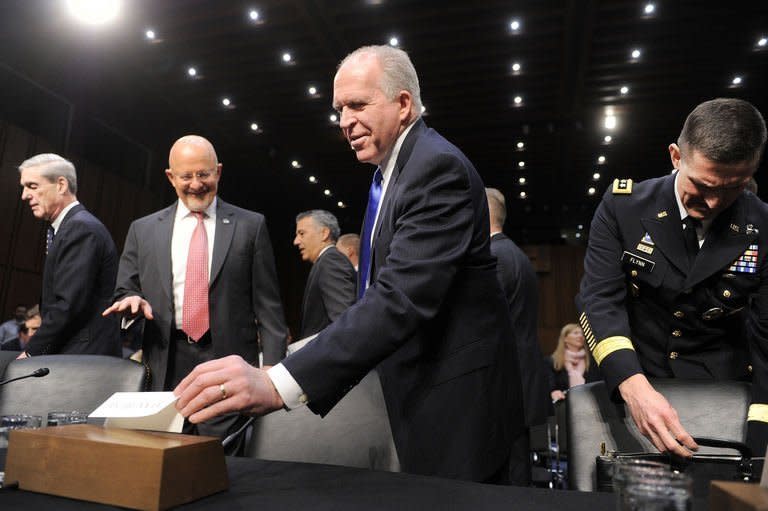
(433, 319)
(518, 280)
(80, 264)
(331, 284)
(27, 329)
(676, 275)
(239, 305)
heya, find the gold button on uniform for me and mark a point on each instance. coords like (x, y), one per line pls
(679, 314)
(633, 273)
(676, 333)
(673, 355)
(727, 293)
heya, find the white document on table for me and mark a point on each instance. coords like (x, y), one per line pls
(152, 411)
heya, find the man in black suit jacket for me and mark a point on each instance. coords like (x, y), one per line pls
(433, 319)
(245, 309)
(80, 265)
(27, 329)
(331, 284)
(518, 280)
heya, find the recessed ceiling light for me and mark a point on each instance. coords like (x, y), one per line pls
(312, 179)
(521, 180)
(192, 71)
(287, 57)
(312, 90)
(624, 89)
(580, 227)
(253, 14)
(254, 126)
(523, 195)
(333, 117)
(327, 192)
(295, 164)
(636, 54)
(736, 80)
(226, 102)
(601, 159)
(596, 176)
(515, 25)
(607, 139)
(516, 67)
(341, 204)
(94, 12)
(609, 122)
(393, 41)
(521, 164)
(518, 100)
(591, 190)
(149, 34)
(649, 9)
(762, 42)
(578, 235)
(521, 145)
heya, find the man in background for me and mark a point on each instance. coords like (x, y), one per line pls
(332, 283)
(10, 329)
(80, 264)
(202, 274)
(349, 245)
(28, 328)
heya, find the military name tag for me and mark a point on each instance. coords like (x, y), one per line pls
(641, 263)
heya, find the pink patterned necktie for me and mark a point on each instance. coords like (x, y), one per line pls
(194, 318)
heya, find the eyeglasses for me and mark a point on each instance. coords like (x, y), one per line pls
(201, 175)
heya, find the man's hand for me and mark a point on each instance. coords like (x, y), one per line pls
(132, 306)
(224, 385)
(22, 355)
(557, 395)
(655, 418)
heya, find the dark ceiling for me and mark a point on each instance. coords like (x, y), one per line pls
(574, 56)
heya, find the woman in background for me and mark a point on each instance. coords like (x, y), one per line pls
(570, 364)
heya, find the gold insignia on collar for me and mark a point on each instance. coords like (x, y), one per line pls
(622, 186)
(734, 228)
(661, 214)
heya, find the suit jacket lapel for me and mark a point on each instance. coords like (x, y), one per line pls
(63, 224)
(665, 227)
(163, 236)
(723, 243)
(225, 230)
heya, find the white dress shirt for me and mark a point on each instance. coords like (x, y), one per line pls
(60, 217)
(701, 232)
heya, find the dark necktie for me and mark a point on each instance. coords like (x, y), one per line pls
(49, 236)
(374, 196)
(691, 239)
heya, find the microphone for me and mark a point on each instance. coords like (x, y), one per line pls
(234, 436)
(38, 373)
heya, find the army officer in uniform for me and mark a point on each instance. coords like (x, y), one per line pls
(676, 276)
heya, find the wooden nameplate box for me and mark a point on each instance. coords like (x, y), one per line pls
(120, 467)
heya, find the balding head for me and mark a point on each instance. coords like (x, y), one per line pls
(497, 208)
(194, 171)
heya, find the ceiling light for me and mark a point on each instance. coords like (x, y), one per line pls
(333, 117)
(327, 192)
(253, 14)
(287, 57)
(596, 176)
(226, 102)
(192, 71)
(601, 159)
(254, 126)
(591, 190)
(518, 100)
(423, 109)
(523, 195)
(393, 42)
(649, 9)
(580, 227)
(636, 54)
(520, 146)
(521, 180)
(515, 25)
(312, 179)
(516, 67)
(341, 204)
(578, 235)
(610, 122)
(295, 164)
(521, 164)
(624, 89)
(736, 80)
(312, 90)
(762, 41)
(607, 139)
(94, 12)
(149, 34)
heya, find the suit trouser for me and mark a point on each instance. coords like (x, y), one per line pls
(183, 356)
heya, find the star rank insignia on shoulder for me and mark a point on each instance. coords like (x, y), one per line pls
(622, 186)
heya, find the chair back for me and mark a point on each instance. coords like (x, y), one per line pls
(75, 382)
(706, 409)
(355, 433)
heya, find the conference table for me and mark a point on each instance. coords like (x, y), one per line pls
(263, 485)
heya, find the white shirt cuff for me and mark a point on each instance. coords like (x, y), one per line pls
(290, 391)
(125, 323)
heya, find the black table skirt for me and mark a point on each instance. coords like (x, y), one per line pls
(258, 485)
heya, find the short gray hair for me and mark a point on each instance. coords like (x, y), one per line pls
(323, 218)
(398, 72)
(498, 206)
(53, 167)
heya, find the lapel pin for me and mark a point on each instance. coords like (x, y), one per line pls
(225, 221)
(751, 229)
(661, 214)
(734, 228)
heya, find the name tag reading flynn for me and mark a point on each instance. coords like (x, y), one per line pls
(641, 263)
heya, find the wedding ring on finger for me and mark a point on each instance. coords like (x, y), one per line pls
(223, 391)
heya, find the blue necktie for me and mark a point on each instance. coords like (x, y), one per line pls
(49, 235)
(374, 196)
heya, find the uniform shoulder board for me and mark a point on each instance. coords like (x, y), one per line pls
(622, 186)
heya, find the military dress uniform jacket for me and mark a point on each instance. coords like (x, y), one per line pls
(645, 309)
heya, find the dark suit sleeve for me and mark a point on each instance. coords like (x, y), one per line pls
(78, 257)
(337, 285)
(432, 232)
(128, 282)
(602, 297)
(757, 332)
(265, 299)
